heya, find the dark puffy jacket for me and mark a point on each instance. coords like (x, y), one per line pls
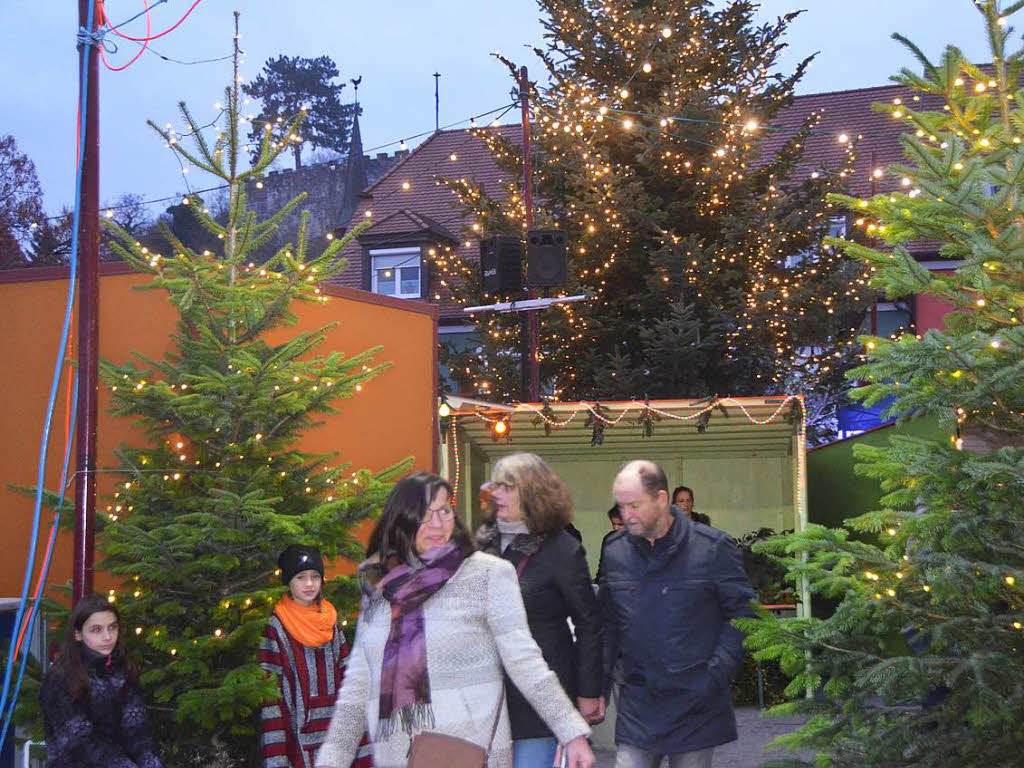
(108, 730)
(667, 609)
(556, 585)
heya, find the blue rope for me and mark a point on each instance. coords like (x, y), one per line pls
(34, 610)
(61, 353)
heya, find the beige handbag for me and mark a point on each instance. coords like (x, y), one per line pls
(434, 750)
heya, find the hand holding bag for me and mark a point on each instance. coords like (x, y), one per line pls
(432, 750)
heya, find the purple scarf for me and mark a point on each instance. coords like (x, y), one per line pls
(404, 682)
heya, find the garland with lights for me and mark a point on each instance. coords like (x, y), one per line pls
(598, 417)
(922, 662)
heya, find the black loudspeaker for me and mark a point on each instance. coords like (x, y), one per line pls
(501, 264)
(546, 265)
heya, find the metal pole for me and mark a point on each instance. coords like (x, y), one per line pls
(437, 101)
(874, 191)
(88, 324)
(531, 363)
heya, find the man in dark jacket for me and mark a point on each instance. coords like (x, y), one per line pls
(615, 519)
(669, 589)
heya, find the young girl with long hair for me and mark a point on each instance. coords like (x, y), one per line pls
(93, 712)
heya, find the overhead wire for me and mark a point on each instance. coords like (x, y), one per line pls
(158, 35)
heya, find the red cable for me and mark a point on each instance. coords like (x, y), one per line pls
(142, 50)
(149, 37)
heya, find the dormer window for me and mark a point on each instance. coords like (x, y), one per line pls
(396, 272)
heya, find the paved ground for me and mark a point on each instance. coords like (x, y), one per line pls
(748, 751)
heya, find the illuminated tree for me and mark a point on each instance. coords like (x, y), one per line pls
(221, 486)
(703, 258)
(922, 663)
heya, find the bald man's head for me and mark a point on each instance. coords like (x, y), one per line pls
(652, 477)
(641, 494)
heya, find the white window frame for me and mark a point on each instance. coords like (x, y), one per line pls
(383, 258)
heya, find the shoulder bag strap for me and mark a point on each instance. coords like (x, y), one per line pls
(497, 717)
(522, 566)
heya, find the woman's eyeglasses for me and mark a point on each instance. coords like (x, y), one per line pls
(444, 514)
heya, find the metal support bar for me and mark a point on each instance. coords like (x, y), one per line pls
(526, 305)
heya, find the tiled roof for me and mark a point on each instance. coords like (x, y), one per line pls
(425, 204)
(875, 134)
(404, 221)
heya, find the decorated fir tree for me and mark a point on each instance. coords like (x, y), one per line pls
(221, 486)
(702, 254)
(922, 663)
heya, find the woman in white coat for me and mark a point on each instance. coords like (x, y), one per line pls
(440, 622)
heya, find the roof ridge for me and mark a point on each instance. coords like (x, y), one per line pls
(432, 137)
(866, 88)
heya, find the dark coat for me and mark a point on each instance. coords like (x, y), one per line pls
(555, 584)
(667, 609)
(107, 730)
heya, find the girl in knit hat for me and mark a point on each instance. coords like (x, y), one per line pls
(305, 650)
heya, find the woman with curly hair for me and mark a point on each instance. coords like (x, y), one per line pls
(531, 508)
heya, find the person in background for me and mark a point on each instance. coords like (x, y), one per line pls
(670, 590)
(532, 507)
(93, 712)
(441, 622)
(682, 497)
(615, 519)
(305, 650)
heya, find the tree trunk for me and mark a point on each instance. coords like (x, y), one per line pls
(297, 151)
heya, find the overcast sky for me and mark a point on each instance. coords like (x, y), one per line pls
(395, 45)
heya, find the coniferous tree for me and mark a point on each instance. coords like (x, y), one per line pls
(922, 663)
(221, 487)
(703, 258)
(289, 84)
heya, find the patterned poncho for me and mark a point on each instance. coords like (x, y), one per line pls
(294, 726)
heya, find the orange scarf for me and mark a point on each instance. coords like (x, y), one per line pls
(311, 625)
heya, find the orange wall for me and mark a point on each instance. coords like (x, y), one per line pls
(391, 418)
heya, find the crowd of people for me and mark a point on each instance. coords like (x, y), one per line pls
(491, 648)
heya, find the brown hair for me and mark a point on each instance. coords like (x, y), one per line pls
(69, 665)
(395, 532)
(547, 503)
(680, 489)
